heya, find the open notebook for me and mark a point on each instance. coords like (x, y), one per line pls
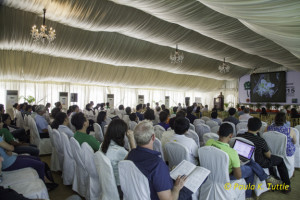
(195, 174)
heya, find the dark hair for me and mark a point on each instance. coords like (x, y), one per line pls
(163, 107)
(107, 104)
(246, 110)
(116, 131)
(181, 113)
(242, 107)
(181, 125)
(48, 104)
(225, 130)
(54, 111)
(263, 111)
(21, 106)
(157, 109)
(101, 117)
(167, 111)
(87, 107)
(175, 109)
(149, 114)
(232, 111)
(57, 104)
(148, 104)
(28, 107)
(294, 113)
(214, 115)
(59, 120)
(189, 109)
(1, 107)
(128, 110)
(144, 106)
(280, 119)
(121, 107)
(198, 109)
(5, 117)
(132, 117)
(15, 105)
(163, 116)
(78, 120)
(171, 122)
(139, 107)
(33, 108)
(254, 124)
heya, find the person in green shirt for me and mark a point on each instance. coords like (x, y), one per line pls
(80, 122)
(237, 171)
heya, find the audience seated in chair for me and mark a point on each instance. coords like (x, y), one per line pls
(41, 123)
(101, 120)
(242, 111)
(189, 115)
(246, 116)
(15, 162)
(81, 124)
(237, 171)
(181, 127)
(263, 155)
(113, 145)
(231, 117)
(139, 114)
(163, 117)
(154, 168)
(149, 115)
(61, 123)
(279, 126)
(214, 117)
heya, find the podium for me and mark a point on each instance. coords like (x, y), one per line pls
(219, 103)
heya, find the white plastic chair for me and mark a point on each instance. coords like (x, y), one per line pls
(241, 131)
(175, 153)
(217, 162)
(59, 147)
(54, 166)
(198, 121)
(260, 186)
(215, 129)
(159, 130)
(98, 132)
(297, 152)
(263, 127)
(277, 143)
(241, 125)
(211, 123)
(80, 181)
(192, 134)
(233, 126)
(43, 144)
(201, 129)
(157, 147)
(208, 136)
(107, 182)
(205, 118)
(93, 189)
(25, 181)
(134, 184)
(192, 127)
(69, 161)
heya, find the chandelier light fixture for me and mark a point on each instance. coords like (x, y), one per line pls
(43, 35)
(224, 67)
(176, 57)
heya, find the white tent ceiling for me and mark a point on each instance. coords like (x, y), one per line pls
(128, 43)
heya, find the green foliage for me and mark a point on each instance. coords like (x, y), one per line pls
(268, 106)
(258, 105)
(29, 99)
(287, 106)
(277, 106)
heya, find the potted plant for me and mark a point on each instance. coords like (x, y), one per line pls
(268, 106)
(29, 99)
(258, 106)
(287, 108)
(226, 105)
(251, 107)
(277, 106)
(238, 106)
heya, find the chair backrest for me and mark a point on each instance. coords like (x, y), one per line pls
(88, 159)
(157, 147)
(69, 161)
(264, 125)
(50, 131)
(276, 142)
(211, 123)
(192, 134)
(57, 141)
(233, 126)
(201, 129)
(77, 152)
(241, 125)
(217, 161)
(205, 118)
(242, 131)
(132, 125)
(199, 121)
(215, 129)
(106, 176)
(34, 133)
(134, 184)
(159, 130)
(25, 120)
(126, 119)
(192, 127)
(297, 137)
(208, 136)
(298, 128)
(98, 132)
(175, 153)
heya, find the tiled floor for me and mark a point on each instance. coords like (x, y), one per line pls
(62, 192)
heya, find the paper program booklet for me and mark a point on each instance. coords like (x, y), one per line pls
(195, 174)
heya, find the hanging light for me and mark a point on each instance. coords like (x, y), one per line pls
(176, 57)
(43, 35)
(224, 67)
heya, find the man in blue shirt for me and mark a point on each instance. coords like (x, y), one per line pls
(138, 112)
(149, 162)
(41, 123)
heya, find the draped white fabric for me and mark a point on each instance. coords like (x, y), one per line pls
(49, 92)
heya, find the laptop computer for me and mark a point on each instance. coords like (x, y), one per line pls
(244, 150)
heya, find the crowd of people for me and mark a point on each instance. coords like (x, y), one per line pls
(136, 126)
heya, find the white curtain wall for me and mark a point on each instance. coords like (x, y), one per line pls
(49, 92)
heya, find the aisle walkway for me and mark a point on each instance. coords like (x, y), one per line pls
(62, 192)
